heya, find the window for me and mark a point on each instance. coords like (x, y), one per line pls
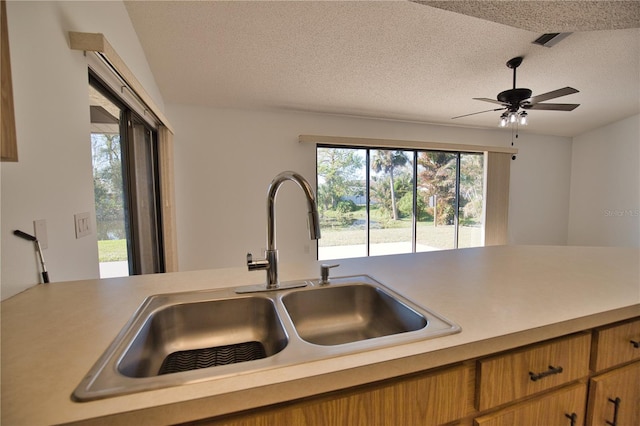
(126, 186)
(377, 201)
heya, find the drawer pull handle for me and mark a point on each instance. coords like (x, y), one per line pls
(616, 408)
(551, 371)
(635, 343)
(573, 417)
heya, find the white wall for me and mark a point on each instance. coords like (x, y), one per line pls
(53, 178)
(605, 186)
(225, 159)
(539, 192)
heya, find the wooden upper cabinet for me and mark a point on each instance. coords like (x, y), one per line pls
(520, 373)
(615, 345)
(8, 142)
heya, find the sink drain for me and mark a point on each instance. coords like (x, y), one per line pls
(212, 357)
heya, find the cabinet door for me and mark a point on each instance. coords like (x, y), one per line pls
(561, 408)
(614, 397)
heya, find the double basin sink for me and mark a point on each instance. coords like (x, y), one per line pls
(181, 338)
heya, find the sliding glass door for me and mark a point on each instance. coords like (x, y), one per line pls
(125, 170)
(389, 201)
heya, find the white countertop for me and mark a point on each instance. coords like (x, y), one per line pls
(502, 297)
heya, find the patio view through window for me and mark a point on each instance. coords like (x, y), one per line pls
(389, 201)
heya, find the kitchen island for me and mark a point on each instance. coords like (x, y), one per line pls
(503, 297)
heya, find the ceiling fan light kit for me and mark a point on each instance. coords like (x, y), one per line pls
(513, 117)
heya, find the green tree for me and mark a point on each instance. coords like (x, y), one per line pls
(438, 179)
(380, 194)
(107, 183)
(471, 186)
(339, 173)
(386, 162)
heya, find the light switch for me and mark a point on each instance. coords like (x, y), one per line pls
(83, 224)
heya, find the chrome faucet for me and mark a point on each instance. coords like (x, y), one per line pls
(270, 262)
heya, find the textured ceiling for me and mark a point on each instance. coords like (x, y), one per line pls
(550, 16)
(397, 60)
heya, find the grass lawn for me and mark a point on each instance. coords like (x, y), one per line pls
(112, 250)
(440, 236)
(336, 233)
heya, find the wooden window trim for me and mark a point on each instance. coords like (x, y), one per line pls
(96, 42)
(8, 139)
(402, 144)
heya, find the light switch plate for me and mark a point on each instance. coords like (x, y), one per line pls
(40, 231)
(83, 224)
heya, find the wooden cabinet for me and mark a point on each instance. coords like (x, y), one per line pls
(514, 375)
(542, 384)
(615, 345)
(614, 397)
(563, 407)
(430, 398)
(614, 393)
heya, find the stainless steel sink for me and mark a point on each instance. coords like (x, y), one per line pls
(182, 338)
(335, 315)
(190, 336)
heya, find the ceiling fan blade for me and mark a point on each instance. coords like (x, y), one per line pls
(551, 95)
(552, 107)
(481, 112)
(493, 101)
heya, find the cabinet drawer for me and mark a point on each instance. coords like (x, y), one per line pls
(563, 407)
(615, 345)
(524, 372)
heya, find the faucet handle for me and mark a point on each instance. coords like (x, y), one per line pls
(254, 265)
(324, 272)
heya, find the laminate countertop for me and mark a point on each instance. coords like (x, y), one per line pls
(502, 297)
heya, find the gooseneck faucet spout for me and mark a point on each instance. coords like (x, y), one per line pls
(314, 222)
(270, 263)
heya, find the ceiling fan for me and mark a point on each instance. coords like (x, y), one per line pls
(516, 101)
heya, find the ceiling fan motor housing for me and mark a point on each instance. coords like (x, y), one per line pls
(514, 97)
